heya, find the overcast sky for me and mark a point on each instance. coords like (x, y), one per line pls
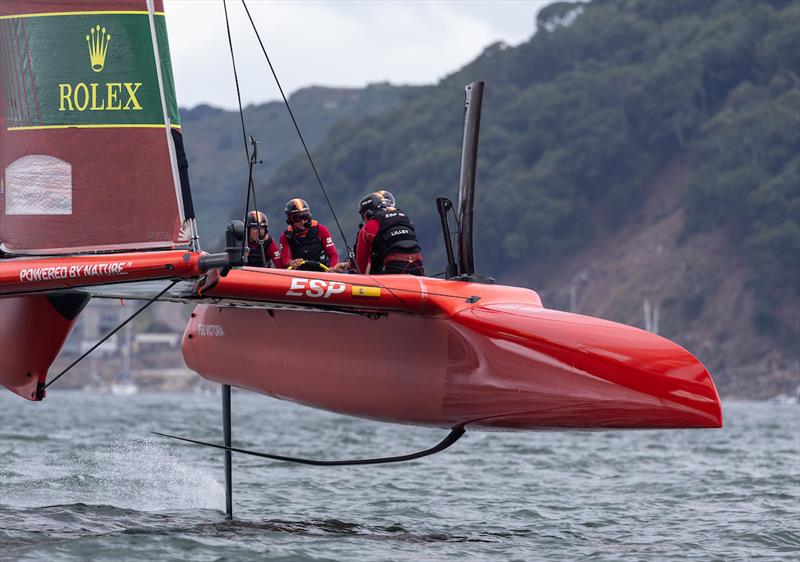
(332, 43)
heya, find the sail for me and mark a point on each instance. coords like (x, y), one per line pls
(88, 129)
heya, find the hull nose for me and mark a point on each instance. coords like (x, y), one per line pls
(538, 368)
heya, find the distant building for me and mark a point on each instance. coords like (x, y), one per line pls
(98, 318)
(148, 341)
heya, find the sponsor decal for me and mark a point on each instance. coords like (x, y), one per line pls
(314, 288)
(94, 96)
(359, 291)
(111, 97)
(43, 273)
(73, 271)
(399, 232)
(98, 47)
(86, 69)
(213, 330)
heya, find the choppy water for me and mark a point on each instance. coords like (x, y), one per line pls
(82, 479)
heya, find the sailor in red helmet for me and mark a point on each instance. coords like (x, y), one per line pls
(387, 243)
(263, 248)
(305, 239)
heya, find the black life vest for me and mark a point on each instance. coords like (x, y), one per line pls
(255, 258)
(396, 235)
(308, 247)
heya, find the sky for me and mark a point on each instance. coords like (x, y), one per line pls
(332, 43)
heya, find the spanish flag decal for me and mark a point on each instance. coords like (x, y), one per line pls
(360, 291)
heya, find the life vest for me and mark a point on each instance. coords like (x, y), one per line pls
(396, 235)
(254, 258)
(308, 247)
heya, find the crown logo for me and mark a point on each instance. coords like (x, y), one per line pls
(98, 47)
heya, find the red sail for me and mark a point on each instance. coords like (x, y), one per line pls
(87, 156)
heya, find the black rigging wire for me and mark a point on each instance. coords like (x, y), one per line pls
(253, 161)
(299, 134)
(251, 158)
(112, 332)
(454, 435)
(236, 79)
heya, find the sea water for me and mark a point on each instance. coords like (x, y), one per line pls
(82, 478)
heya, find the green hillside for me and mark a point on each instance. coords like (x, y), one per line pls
(215, 146)
(577, 120)
(581, 126)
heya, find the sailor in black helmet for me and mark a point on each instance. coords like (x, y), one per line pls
(388, 201)
(387, 243)
(263, 248)
(305, 239)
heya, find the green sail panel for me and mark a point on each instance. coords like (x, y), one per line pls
(86, 70)
(84, 141)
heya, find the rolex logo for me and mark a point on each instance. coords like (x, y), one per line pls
(98, 47)
(100, 96)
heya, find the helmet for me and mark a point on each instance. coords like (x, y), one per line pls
(388, 198)
(371, 204)
(257, 218)
(297, 206)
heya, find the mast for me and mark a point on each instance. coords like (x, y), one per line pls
(466, 186)
(181, 191)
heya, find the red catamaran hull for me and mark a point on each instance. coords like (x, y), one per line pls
(393, 348)
(498, 362)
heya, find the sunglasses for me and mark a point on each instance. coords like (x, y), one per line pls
(300, 217)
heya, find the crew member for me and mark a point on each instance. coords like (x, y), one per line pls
(263, 249)
(387, 243)
(388, 201)
(305, 239)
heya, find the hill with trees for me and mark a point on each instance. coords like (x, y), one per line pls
(634, 155)
(215, 145)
